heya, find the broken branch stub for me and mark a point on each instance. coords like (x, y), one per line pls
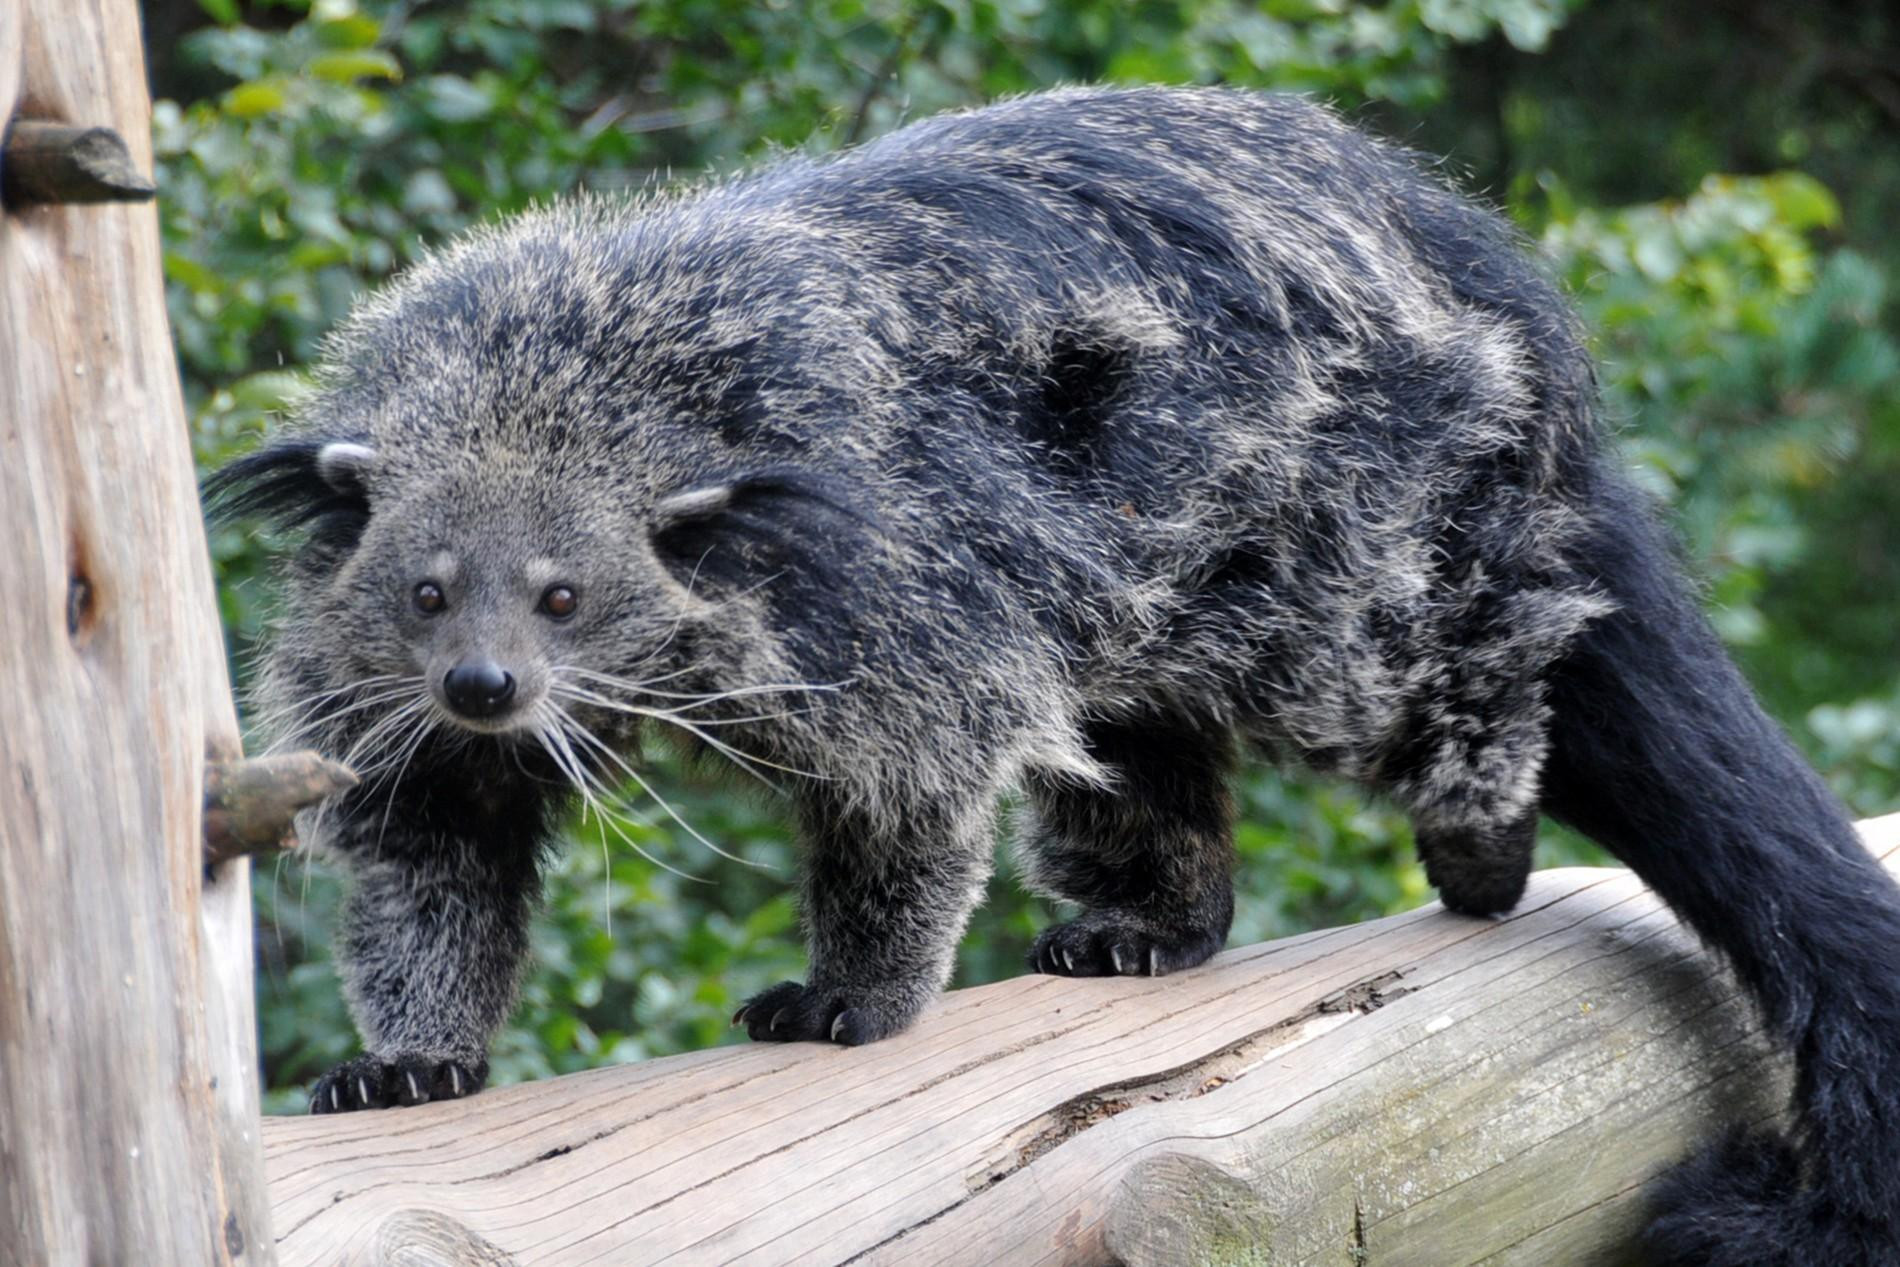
(42, 162)
(249, 804)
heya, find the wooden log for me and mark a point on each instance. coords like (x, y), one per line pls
(128, 1087)
(1425, 1089)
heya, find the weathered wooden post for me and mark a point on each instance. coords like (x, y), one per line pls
(128, 1087)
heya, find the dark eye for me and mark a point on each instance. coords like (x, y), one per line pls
(429, 598)
(560, 601)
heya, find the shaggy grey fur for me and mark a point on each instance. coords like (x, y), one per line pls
(1131, 411)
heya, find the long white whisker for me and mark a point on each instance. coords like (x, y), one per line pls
(422, 730)
(583, 733)
(744, 760)
(747, 761)
(606, 882)
(554, 738)
(303, 716)
(313, 724)
(680, 619)
(384, 735)
(629, 683)
(381, 741)
(698, 699)
(370, 736)
(568, 690)
(304, 702)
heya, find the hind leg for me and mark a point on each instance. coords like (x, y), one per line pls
(1150, 860)
(1469, 776)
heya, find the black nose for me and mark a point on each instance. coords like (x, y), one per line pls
(478, 688)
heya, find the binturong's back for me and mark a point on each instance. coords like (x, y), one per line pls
(1068, 446)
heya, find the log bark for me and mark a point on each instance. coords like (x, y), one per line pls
(128, 1092)
(1425, 1089)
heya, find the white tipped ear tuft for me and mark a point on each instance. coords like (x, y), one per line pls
(694, 503)
(345, 466)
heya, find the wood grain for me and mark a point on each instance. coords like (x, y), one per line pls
(128, 1096)
(1425, 1089)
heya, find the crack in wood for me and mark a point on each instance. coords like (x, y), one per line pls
(969, 1066)
(1196, 1078)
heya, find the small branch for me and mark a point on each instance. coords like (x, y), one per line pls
(249, 805)
(861, 116)
(56, 163)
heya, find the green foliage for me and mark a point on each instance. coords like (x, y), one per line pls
(309, 149)
(1753, 367)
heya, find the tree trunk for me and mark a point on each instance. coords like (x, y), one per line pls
(1426, 1089)
(128, 1091)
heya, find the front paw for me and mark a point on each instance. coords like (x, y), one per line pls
(790, 1013)
(1109, 943)
(371, 1082)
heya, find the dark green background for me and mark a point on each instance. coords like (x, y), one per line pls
(1714, 181)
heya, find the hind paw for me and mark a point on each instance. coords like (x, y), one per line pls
(370, 1082)
(1479, 871)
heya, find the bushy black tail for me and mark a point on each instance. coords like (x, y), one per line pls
(1660, 753)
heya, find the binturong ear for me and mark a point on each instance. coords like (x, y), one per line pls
(777, 495)
(693, 503)
(749, 521)
(319, 484)
(346, 466)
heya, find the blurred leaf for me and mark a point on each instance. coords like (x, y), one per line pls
(351, 30)
(357, 64)
(247, 101)
(454, 99)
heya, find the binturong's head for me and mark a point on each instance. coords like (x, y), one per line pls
(539, 492)
(487, 593)
(481, 597)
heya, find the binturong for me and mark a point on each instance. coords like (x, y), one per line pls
(1067, 447)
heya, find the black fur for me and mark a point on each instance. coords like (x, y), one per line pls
(1150, 860)
(281, 485)
(1068, 445)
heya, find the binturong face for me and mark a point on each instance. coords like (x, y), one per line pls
(489, 596)
(555, 481)
(484, 598)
